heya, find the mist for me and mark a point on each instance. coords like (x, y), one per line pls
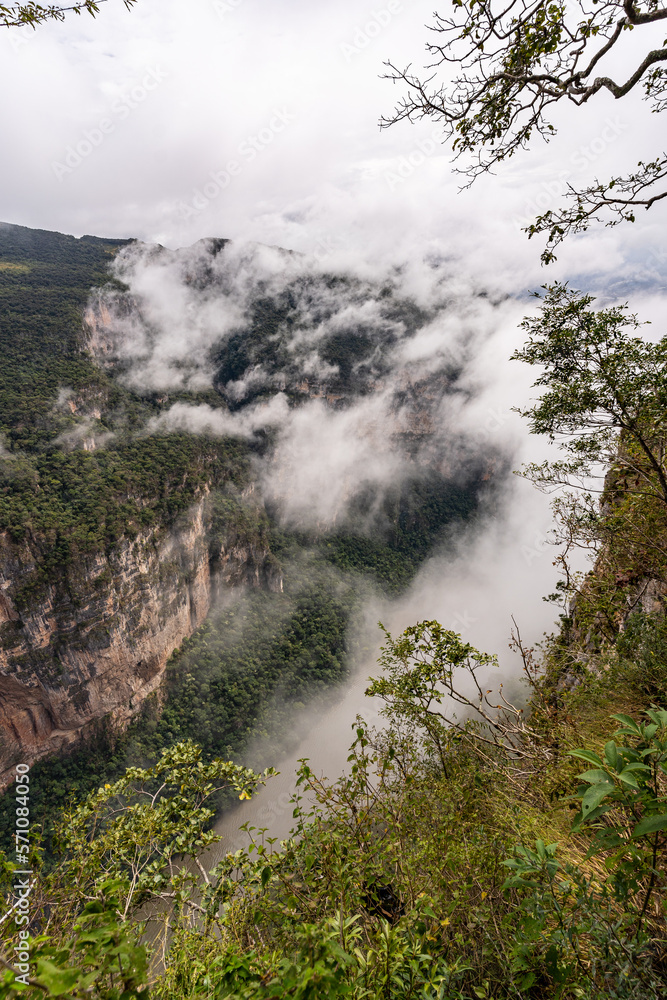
(498, 570)
(348, 380)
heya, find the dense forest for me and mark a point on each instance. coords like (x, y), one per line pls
(81, 475)
(477, 846)
(216, 460)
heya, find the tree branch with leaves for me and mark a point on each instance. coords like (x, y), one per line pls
(513, 63)
(604, 401)
(21, 14)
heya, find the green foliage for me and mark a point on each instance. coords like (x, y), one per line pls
(353, 357)
(102, 958)
(571, 933)
(630, 782)
(239, 678)
(45, 281)
(132, 844)
(604, 398)
(73, 503)
(66, 504)
(421, 685)
(66, 501)
(267, 648)
(348, 905)
(598, 381)
(587, 926)
(412, 520)
(33, 13)
(147, 820)
(642, 646)
(394, 883)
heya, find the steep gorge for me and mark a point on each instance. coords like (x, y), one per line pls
(92, 645)
(159, 433)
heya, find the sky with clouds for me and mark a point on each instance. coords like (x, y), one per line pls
(258, 120)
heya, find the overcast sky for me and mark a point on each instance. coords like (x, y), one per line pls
(258, 120)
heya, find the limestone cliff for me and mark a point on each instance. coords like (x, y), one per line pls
(87, 647)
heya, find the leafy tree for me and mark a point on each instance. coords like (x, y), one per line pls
(604, 401)
(593, 927)
(101, 957)
(430, 678)
(136, 843)
(599, 381)
(513, 62)
(17, 15)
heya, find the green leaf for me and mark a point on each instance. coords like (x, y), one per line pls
(587, 755)
(628, 779)
(628, 722)
(650, 825)
(594, 796)
(611, 754)
(56, 980)
(659, 716)
(592, 777)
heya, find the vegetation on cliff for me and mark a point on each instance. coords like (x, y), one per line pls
(56, 401)
(447, 863)
(83, 470)
(507, 851)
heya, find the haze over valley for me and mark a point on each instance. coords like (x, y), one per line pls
(333, 501)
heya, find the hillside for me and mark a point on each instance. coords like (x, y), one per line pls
(476, 847)
(150, 410)
(447, 862)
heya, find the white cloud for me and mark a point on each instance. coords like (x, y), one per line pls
(379, 361)
(312, 171)
(204, 419)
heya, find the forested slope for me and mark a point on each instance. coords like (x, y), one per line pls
(124, 520)
(475, 847)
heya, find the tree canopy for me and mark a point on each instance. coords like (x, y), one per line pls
(599, 381)
(604, 401)
(513, 62)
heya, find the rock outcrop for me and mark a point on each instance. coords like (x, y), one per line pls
(87, 647)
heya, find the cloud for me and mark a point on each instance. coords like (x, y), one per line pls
(329, 179)
(358, 373)
(87, 434)
(324, 458)
(205, 419)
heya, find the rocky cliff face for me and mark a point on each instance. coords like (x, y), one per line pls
(86, 649)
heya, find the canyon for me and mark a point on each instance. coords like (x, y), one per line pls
(87, 649)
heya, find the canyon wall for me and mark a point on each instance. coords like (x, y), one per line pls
(85, 648)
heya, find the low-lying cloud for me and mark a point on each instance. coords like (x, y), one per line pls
(354, 378)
